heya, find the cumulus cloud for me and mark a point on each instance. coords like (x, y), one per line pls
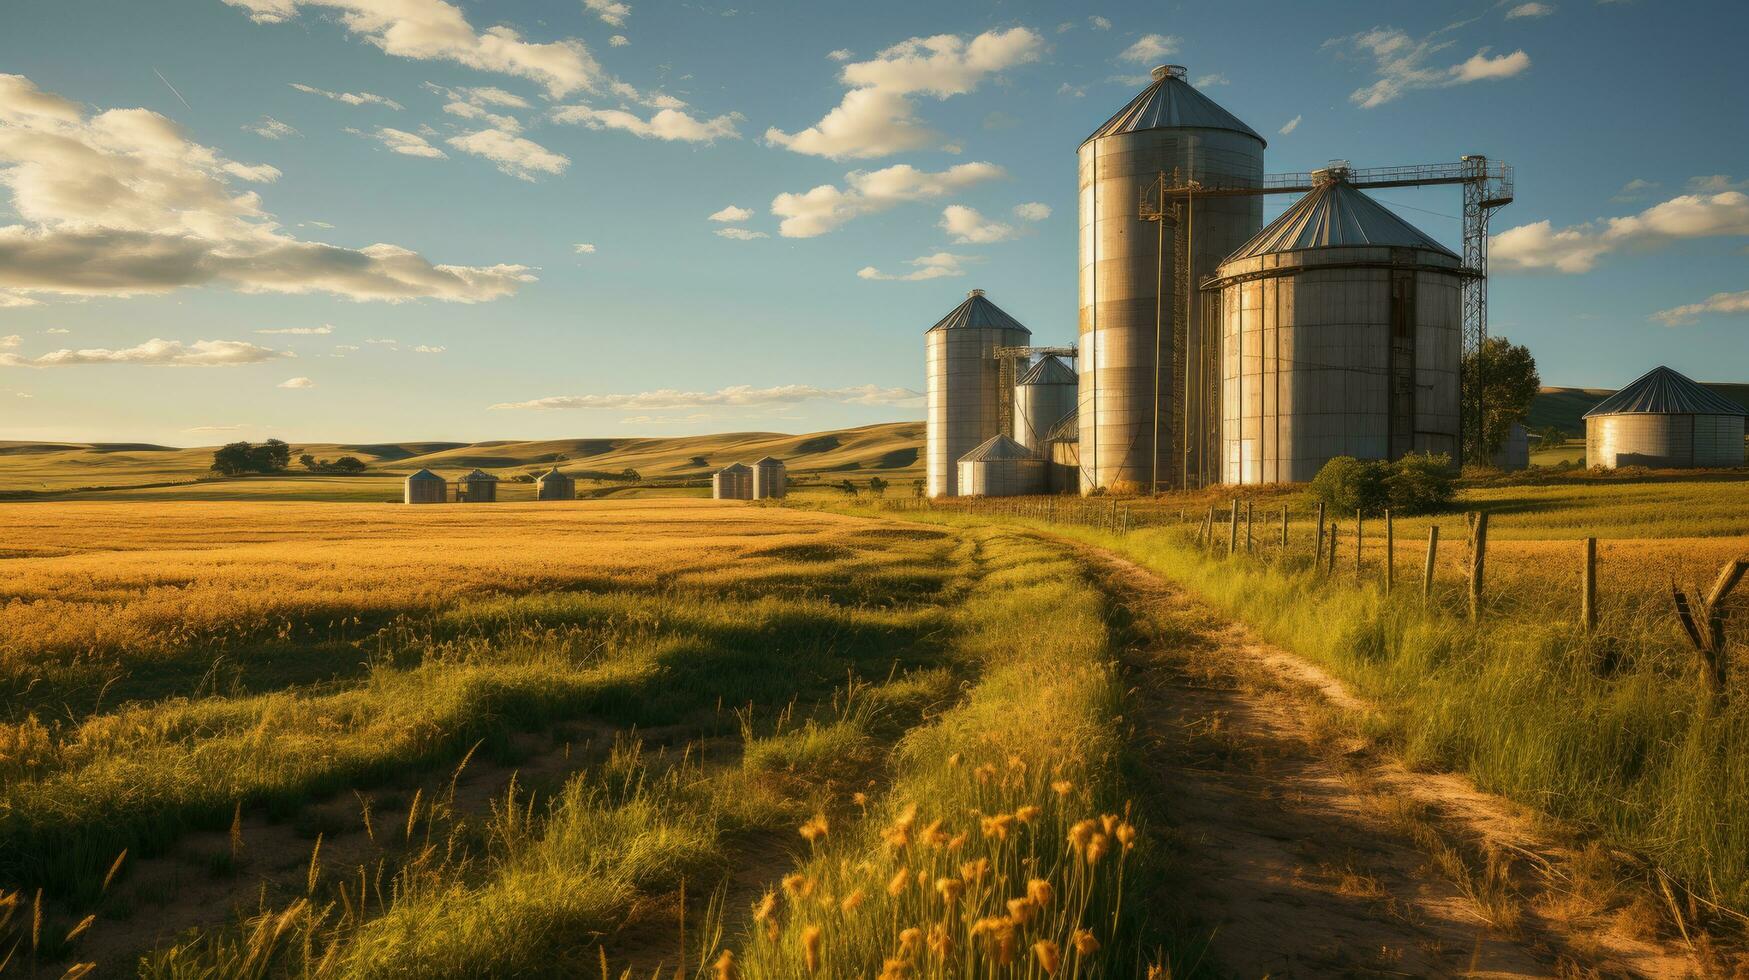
(739, 234)
(350, 98)
(321, 331)
(435, 30)
(10, 341)
(270, 128)
(1530, 10)
(827, 207)
(11, 300)
(736, 396)
(1150, 48)
(666, 124)
(157, 352)
(1634, 190)
(732, 213)
(1211, 80)
(499, 121)
(1099, 23)
(1726, 303)
(515, 155)
(612, 12)
(296, 383)
(584, 248)
(405, 143)
(1404, 63)
(841, 54)
(120, 201)
(941, 265)
(618, 41)
(1541, 246)
(877, 116)
(1032, 211)
(1291, 125)
(429, 349)
(966, 226)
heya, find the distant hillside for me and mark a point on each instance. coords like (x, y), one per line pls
(1565, 408)
(892, 450)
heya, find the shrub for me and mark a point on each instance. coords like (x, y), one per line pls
(1415, 484)
(1420, 483)
(1346, 485)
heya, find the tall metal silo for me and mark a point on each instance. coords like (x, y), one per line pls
(1001, 467)
(965, 394)
(426, 487)
(1665, 421)
(1063, 475)
(1043, 396)
(1341, 335)
(732, 482)
(478, 487)
(553, 485)
(1135, 373)
(770, 480)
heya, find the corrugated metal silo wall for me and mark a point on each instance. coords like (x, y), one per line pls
(1316, 363)
(1656, 441)
(1718, 440)
(556, 489)
(770, 482)
(964, 397)
(426, 491)
(1121, 280)
(1002, 477)
(1037, 407)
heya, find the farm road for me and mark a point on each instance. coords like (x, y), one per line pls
(1305, 850)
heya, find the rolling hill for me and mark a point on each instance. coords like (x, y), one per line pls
(1565, 408)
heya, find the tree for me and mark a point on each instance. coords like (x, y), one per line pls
(233, 459)
(877, 486)
(1509, 384)
(311, 463)
(1419, 483)
(631, 476)
(348, 464)
(848, 488)
(919, 487)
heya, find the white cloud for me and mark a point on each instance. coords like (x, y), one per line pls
(157, 351)
(321, 331)
(297, 383)
(1726, 303)
(350, 98)
(468, 110)
(841, 54)
(270, 128)
(1716, 183)
(966, 226)
(584, 248)
(877, 117)
(739, 234)
(1150, 48)
(10, 341)
(1402, 64)
(23, 394)
(827, 207)
(1099, 23)
(618, 41)
(346, 348)
(737, 396)
(732, 213)
(1072, 91)
(434, 30)
(1032, 211)
(666, 124)
(1530, 10)
(940, 265)
(403, 142)
(517, 156)
(1291, 125)
(119, 201)
(1540, 246)
(429, 349)
(1634, 190)
(612, 12)
(1211, 80)
(11, 300)
(57, 330)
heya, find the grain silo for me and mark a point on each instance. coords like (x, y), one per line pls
(1001, 467)
(1514, 453)
(553, 485)
(478, 487)
(1665, 421)
(770, 480)
(965, 399)
(1340, 336)
(1063, 442)
(1043, 396)
(732, 482)
(426, 487)
(1131, 379)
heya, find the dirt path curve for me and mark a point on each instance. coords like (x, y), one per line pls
(1307, 851)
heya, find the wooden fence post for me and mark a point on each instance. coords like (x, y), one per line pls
(1588, 587)
(1390, 552)
(1427, 569)
(1284, 525)
(1209, 540)
(1247, 527)
(1478, 560)
(1233, 530)
(1703, 620)
(1318, 542)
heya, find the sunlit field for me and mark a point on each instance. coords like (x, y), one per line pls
(554, 740)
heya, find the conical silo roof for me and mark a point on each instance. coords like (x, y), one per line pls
(768, 461)
(978, 312)
(478, 476)
(736, 468)
(1067, 429)
(997, 448)
(1335, 214)
(425, 475)
(1172, 103)
(1048, 371)
(1662, 391)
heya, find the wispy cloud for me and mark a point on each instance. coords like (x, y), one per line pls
(1290, 125)
(940, 265)
(296, 383)
(732, 213)
(321, 331)
(612, 12)
(827, 207)
(350, 98)
(1577, 248)
(1032, 211)
(402, 142)
(156, 352)
(270, 128)
(515, 155)
(1717, 303)
(736, 396)
(1405, 63)
(584, 248)
(740, 234)
(1150, 48)
(1532, 9)
(666, 124)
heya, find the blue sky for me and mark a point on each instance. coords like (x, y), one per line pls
(361, 219)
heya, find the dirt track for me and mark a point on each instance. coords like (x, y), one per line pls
(1306, 851)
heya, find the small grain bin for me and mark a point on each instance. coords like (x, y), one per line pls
(770, 480)
(732, 482)
(1063, 474)
(1665, 421)
(1001, 467)
(478, 487)
(1514, 454)
(1043, 396)
(965, 397)
(553, 485)
(426, 487)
